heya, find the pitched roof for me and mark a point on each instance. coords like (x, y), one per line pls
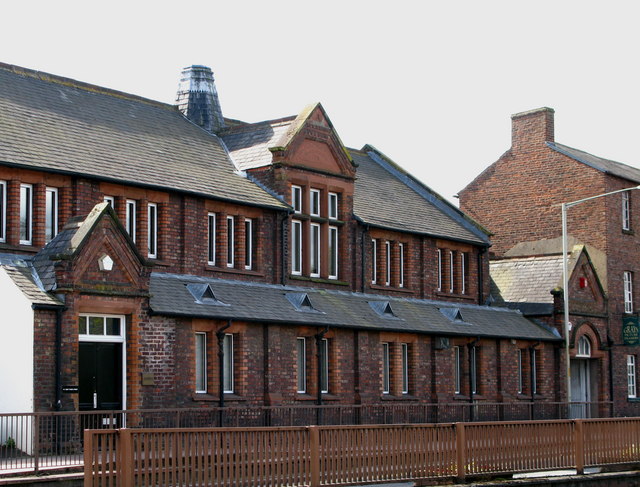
(61, 125)
(268, 303)
(23, 275)
(387, 196)
(604, 165)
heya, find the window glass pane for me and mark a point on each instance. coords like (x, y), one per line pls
(296, 244)
(230, 235)
(152, 214)
(25, 214)
(212, 239)
(296, 198)
(315, 202)
(405, 368)
(333, 252)
(227, 347)
(82, 325)
(51, 214)
(457, 364)
(315, 250)
(324, 364)
(96, 325)
(385, 368)
(2, 210)
(113, 326)
(201, 362)
(374, 261)
(333, 206)
(302, 365)
(248, 243)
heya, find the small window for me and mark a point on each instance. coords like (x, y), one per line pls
(520, 372)
(324, 366)
(439, 270)
(401, 265)
(628, 292)
(51, 214)
(230, 241)
(626, 211)
(3, 210)
(301, 346)
(474, 369)
(111, 200)
(387, 273)
(374, 260)
(404, 348)
(227, 364)
(534, 371)
(631, 376)
(464, 272)
(296, 247)
(457, 370)
(296, 198)
(130, 222)
(451, 272)
(314, 202)
(248, 243)
(152, 230)
(385, 369)
(211, 243)
(26, 214)
(333, 206)
(584, 347)
(201, 362)
(101, 328)
(314, 250)
(333, 252)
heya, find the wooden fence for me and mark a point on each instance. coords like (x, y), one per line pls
(341, 455)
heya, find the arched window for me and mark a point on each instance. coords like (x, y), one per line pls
(584, 347)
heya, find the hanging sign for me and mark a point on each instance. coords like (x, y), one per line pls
(630, 330)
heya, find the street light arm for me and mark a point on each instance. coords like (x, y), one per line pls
(577, 202)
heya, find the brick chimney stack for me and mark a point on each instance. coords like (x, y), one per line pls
(197, 98)
(532, 128)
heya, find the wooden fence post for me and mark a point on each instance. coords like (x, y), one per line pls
(461, 456)
(579, 445)
(314, 443)
(125, 457)
(88, 458)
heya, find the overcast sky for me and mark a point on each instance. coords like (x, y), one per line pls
(432, 84)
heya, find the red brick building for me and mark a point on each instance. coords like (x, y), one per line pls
(518, 198)
(164, 256)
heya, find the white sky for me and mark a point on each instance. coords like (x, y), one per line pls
(432, 84)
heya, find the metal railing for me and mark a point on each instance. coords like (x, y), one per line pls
(36, 442)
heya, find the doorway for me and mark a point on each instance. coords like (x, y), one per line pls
(580, 388)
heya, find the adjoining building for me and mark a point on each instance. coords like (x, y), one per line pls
(160, 256)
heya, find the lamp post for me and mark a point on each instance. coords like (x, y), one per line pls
(565, 278)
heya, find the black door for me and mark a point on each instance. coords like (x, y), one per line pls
(100, 376)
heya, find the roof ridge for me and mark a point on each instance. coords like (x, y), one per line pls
(72, 83)
(248, 126)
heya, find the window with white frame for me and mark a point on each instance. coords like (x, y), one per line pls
(97, 328)
(534, 371)
(231, 223)
(457, 370)
(451, 272)
(111, 200)
(332, 210)
(473, 372)
(385, 369)
(227, 364)
(314, 202)
(628, 292)
(314, 250)
(3, 211)
(387, 270)
(631, 376)
(301, 348)
(201, 362)
(248, 243)
(401, 265)
(626, 211)
(374, 260)
(296, 247)
(152, 230)
(520, 372)
(324, 366)
(439, 270)
(584, 347)
(211, 242)
(130, 219)
(51, 214)
(464, 272)
(404, 349)
(333, 252)
(296, 198)
(26, 214)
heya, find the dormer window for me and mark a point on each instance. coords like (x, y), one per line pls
(203, 294)
(301, 302)
(453, 314)
(382, 308)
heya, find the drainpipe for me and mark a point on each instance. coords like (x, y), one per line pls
(319, 336)
(58, 350)
(472, 373)
(610, 342)
(285, 255)
(363, 260)
(220, 336)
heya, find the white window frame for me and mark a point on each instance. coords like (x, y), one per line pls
(626, 211)
(333, 252)
(463, 271)
(296, 198)
(631, 377)
(584, 347)
(211, 238)
(51, 214)
(201, 361)
(111, 200)
(301, 360)
(628, 291)
(324, 366)
(314, 202)
(520, 372)
(332, 206)
(3, 211)
(387, 274)
(451, 272)
(231, 251)
(457, 370)
(386, 382)
(314, 250)
(228, 364)
(374, 261)
(439, 270)
(404, 349)
(473, 373)
(296, 247)
(130, 220)
(534, 371)
(152, 230)
(401, 265)
(248, 243)
(26, 214)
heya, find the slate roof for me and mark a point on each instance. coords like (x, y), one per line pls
(266, 303)
(61, 125)
(604, 165)
(22, 273)
(387, 196)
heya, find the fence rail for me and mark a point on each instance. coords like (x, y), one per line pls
(34, 442)
(343, 455)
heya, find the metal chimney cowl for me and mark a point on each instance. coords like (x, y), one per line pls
(197, 98)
